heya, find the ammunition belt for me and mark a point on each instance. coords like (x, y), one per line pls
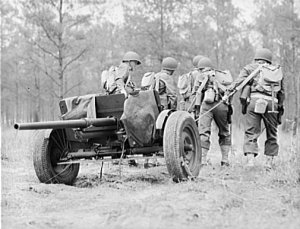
(261, 96)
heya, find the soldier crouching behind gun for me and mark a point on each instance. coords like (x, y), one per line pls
(164, 84)
(262, 99)
(118, 79)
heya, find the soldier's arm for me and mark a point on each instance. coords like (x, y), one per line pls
(173, 101)
(197, 84)
(121, 76)
(281, 93)
(244, 73)
(162, 87)
(171, 94)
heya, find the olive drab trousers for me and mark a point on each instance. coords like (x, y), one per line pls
(219, 115)
(253, 130)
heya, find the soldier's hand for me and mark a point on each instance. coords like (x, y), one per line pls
(280, 114)
(226, 96)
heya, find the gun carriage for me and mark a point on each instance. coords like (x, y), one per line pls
(120, 128)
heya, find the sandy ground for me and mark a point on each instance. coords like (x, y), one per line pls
(237, 197)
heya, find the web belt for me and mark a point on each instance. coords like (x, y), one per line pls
(261, 96)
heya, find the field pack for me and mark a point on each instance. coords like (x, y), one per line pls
(108, 79)
(184, 83)
(148, 81)
(270, 78)
(224, 77)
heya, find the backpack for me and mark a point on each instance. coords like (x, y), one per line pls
(148, 81)
(224, 77)
(184, 83)
(108, 79)
(269, 78)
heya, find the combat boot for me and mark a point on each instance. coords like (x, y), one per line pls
(225, 153)
(204, 157)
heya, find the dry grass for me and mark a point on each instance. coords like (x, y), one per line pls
(237, 197)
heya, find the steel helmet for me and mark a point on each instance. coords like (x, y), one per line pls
(205, 63)
(169, 63)
(196, 60)
(131, 56)
(263, 54)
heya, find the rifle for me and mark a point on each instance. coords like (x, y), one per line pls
(243, 84)
(198, 97)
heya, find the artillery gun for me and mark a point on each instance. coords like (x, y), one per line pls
(119, 128)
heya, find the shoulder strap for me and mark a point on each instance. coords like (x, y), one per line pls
(156, 85)
(152, 85)
(249, 78)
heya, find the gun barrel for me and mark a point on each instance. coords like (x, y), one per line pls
(79, 123)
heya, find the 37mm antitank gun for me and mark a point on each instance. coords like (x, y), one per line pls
(110, 127)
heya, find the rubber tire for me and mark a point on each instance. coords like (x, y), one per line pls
(180, 124)
(44, 168)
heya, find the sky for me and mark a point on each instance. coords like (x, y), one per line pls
(114, 12)
(247, 8)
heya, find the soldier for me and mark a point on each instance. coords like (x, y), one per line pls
(121, 81)
(164, 83)
(213, 92)
(186, 84)
(266, 103)
(118, 79)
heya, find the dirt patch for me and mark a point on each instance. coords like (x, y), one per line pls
(234, 197)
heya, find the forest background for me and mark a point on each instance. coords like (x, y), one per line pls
(52, 49)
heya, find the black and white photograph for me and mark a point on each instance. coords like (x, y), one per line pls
(150, 114)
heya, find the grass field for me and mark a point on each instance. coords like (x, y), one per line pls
(235, 197)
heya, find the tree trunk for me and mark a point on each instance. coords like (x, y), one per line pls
(17, 98)
(37, 107)
(293, 70)
(60, 52)
(217, 48)
(162, 41)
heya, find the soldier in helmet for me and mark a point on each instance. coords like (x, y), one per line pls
(164, 83)
(262, 101)
(123, 83)
(212, 92)
(186, 85)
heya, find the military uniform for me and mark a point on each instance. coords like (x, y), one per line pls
(164, 83)
(122, 79)
(186, 85)
(219, 114)
(253, 119)
(166, 90)
(186, 91)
